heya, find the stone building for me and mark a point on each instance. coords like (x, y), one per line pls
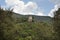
(30, 18)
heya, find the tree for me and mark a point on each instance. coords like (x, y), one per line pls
(6, 23)
(57, 23)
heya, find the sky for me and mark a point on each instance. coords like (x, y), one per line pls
(32, 7)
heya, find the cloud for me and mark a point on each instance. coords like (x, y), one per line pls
(57, 5)
(39, 14)
(55, 1)
(12, 2)
(51, 14)
(25, 9)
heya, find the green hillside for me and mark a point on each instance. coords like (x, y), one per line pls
(16, 27)
(35, 18)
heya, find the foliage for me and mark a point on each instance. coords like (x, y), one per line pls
(12, 28)
(57, 24)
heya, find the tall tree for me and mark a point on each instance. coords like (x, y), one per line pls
(6, 23)
(57, 23)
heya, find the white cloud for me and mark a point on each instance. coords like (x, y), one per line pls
(55, 1)
(51, 14)
(57, 5)
(22, 8)
(12, 2)
(39, 14)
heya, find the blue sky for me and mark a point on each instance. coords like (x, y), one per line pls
(44, 5)
(2, 2)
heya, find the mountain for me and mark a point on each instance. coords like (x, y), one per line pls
(35, 18)
(43, 18)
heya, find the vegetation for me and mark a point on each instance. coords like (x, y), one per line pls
(57, 24)
(13, 28)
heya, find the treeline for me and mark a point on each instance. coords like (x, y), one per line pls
(13, 28)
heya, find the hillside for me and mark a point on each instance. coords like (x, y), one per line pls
(14, 26)
(35, 18)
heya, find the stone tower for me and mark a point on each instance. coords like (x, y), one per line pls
(30, 18)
